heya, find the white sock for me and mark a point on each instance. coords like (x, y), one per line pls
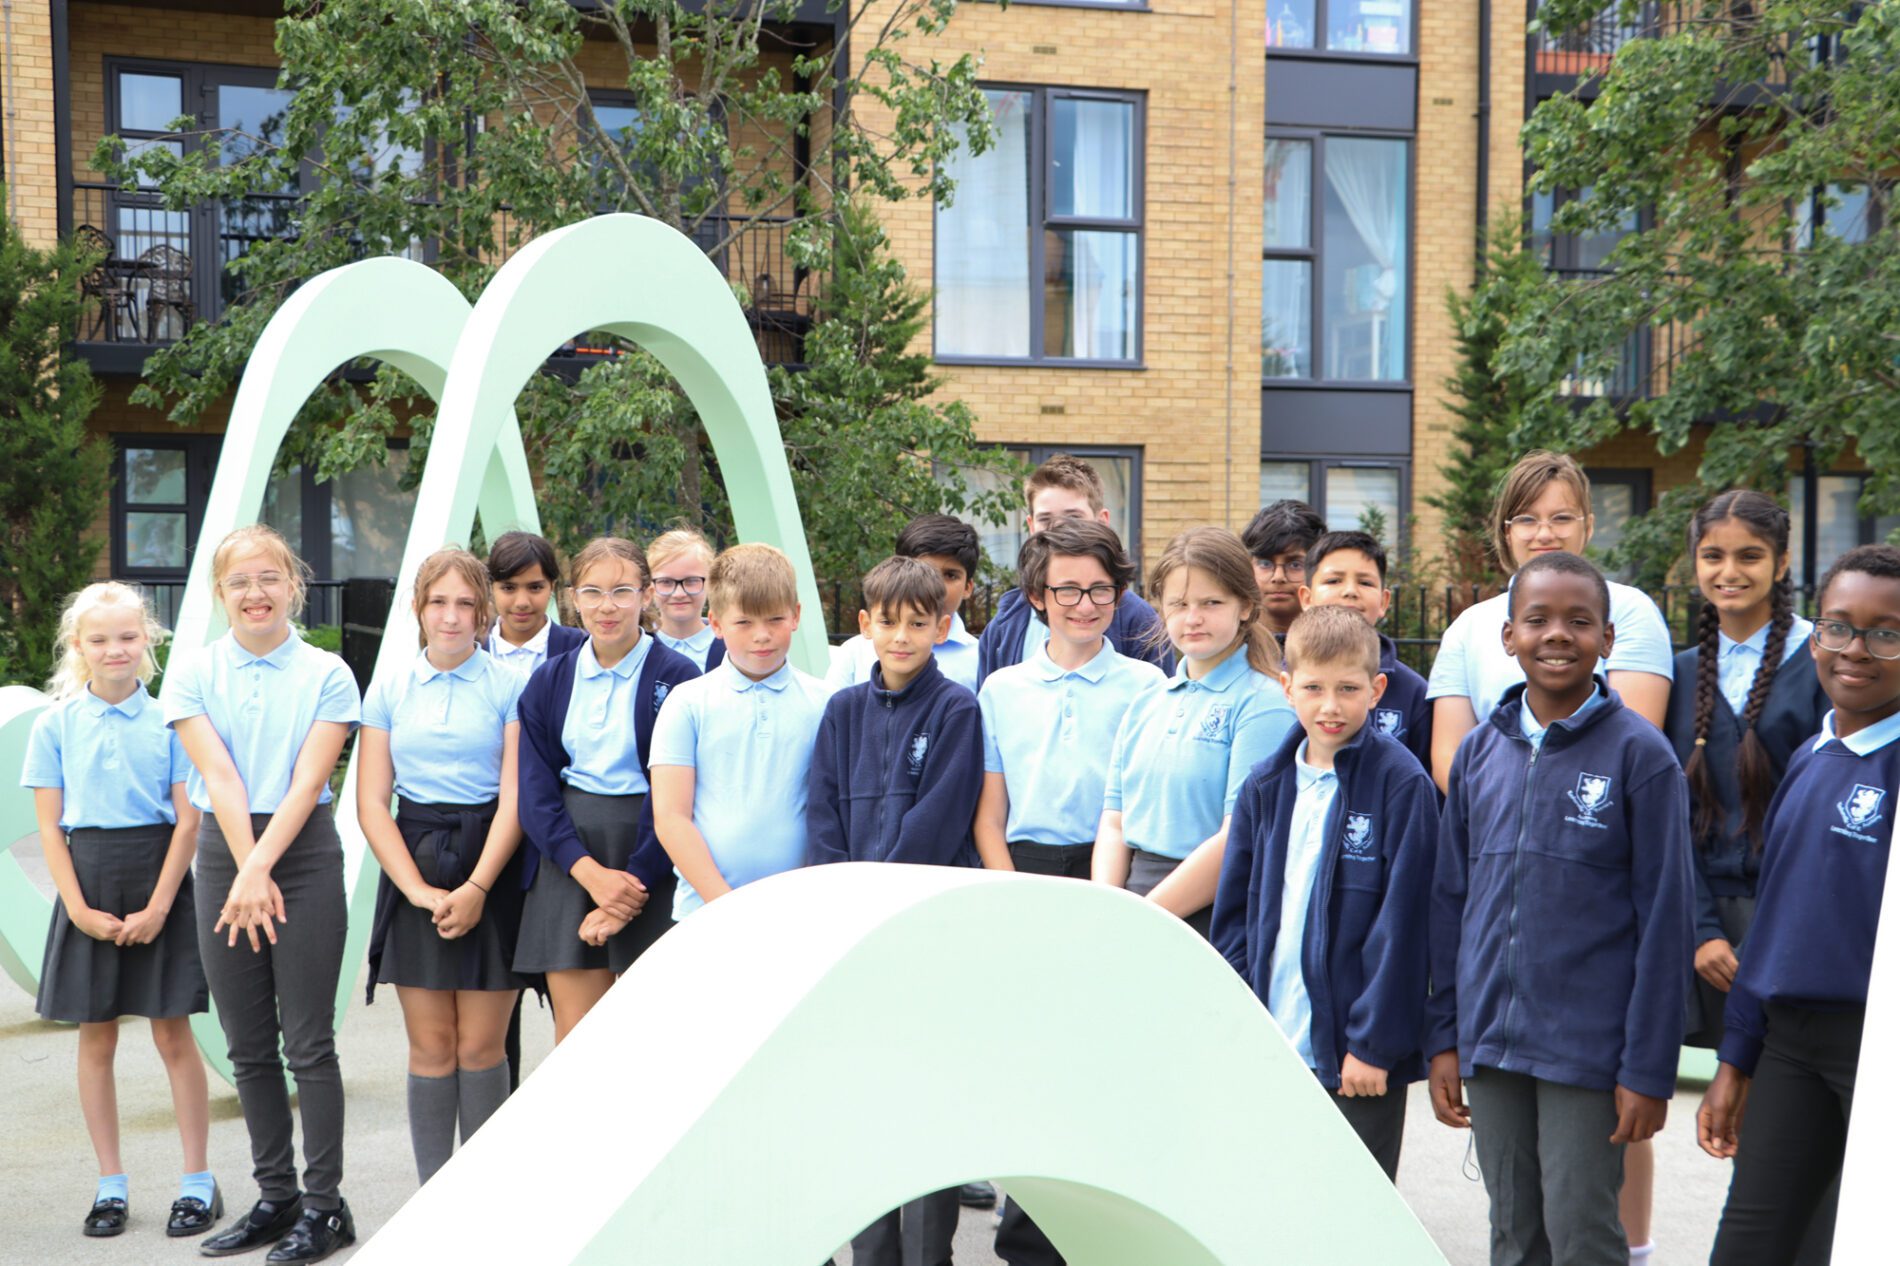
(1640, 1253)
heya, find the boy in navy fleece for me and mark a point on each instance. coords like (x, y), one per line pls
(1329, 858)
(895, 777)
(1347, 569)
(1561, 931)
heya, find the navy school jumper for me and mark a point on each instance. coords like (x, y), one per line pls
(1403, 711)
(563, 638)
(1561, 907)
(1364, 951)
(542, 757)
(895, 773)
(1823, 872)
(1136, 631)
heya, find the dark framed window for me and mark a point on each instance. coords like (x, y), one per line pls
(1617, 496)
(1342, 489)
(351, 526)
(1374, 27)
(1563, 253)
(1851, 213)
(1335, 258)
(159, 487)
(1840, 524)
(1120, 469)
(1039, 258)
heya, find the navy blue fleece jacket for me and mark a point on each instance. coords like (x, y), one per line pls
(1403, 710)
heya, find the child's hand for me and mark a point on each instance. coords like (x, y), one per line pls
(599, 925)
(1638, 1117)
(1356, 1078)
(428, 897)
(1716, 963)
(459, 912)
(1718, 1123)
(614, 891)
(1448, 1091)
(97, 924)
(141, 928)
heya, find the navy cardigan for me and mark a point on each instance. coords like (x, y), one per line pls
(1363, 951)
(563, 638)
(543, 756)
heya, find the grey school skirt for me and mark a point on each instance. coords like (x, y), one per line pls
(1146, 870)
(556, 903)
(405, 949)
(83, 981)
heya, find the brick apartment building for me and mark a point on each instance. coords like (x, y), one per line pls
(1096, 282)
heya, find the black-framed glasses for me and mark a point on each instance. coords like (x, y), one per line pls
(691, 586)
(1292, 571)
(1071, 595)
(1838, 635)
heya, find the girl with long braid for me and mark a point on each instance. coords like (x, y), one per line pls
(1756, 699)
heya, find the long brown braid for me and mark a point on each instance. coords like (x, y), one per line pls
(1765, 519)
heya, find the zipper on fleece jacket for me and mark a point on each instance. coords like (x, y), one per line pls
(888, 709)
(1517, 868)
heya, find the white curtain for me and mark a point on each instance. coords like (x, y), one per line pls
(983, 284)
(1368, 178)
(1093, 179)
(1289, 194)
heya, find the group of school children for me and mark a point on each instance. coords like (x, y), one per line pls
(1526, 881)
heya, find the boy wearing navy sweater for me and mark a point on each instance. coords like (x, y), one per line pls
(1561, 931)
(1326, 883)
(895, 776)
(1347, 569)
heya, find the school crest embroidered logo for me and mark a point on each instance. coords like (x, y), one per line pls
(1592, 796)
(1389, 720)
(1214, 723)
(919, 745)
(1861, 809)
(1359, 834)
(660, 689)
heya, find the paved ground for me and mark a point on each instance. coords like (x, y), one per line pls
(47, 1171)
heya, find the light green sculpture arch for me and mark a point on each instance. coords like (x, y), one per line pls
(778, 1071)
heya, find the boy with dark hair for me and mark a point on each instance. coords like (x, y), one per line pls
(1329, 866)
(1561, 930)
(1066, 487)
(895, 775)
(1278, 538)
(1347, 569)
(949, 545)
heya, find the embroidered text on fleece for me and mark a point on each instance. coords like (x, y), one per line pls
(1135, 631)
(895, 774)
(1561, 917)
(1363, 951)
(1823, 870)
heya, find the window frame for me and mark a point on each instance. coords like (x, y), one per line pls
(1865, 525)
(1317, 468)
(201, 458)
(1040, 136)
(1320, 51)
(1315, 253)
(1036, 454)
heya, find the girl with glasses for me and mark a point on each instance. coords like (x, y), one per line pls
(679, 562)
(599, 886)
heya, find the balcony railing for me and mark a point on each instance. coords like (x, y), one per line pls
(1586, 51)
(1644, 363)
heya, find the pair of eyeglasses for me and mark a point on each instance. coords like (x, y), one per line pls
(691, 586)
(1292, 571)
(1072, 595)
(1837, 636)
(241, 583)
(1527, 524)
(588, 597)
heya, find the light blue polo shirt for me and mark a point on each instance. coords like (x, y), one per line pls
(1287, 996)
(1736, 662)
(852, 661)
(114, 763)
(749, 746)
(262, 707)
(1473, 664)
(598, 733)
(1043, 727)
(1184, 749)
(445, 728)
(694, 648)
(1533, 732)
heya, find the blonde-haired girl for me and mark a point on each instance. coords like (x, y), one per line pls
(679, 562)
(118, 833)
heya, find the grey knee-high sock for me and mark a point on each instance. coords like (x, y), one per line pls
(482, 1091)
(432, 1105)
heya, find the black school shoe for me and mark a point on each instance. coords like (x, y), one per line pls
(107, 1218)
(976, 1195)
(192, 1216)
(318, 1233)
(266, 1223)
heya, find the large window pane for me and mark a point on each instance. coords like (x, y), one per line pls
(1290, 24)
(155, 540)
(1089, 310)
(1091, 159)
(369, 519)
(1353, 490)
(148, 103)
(254, 119)
(154, 476)
(1286, 318)
(1286, 481)
(1613, 505)
(1289, 195)
(1369, 26)
(1837, 518)
(283, 506)
(1365, 230)
(1846, 219)
(983, 242)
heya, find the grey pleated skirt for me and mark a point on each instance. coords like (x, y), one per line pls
(556, 903)
(84, 981)
(1146, 870)
(405, 948)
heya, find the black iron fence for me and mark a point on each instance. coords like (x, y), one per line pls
(1585, 50)
(1645, 361)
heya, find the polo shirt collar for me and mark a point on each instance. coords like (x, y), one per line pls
(1305, 775)
(468, 670)
(958, 635)
(536, 645)
(130, 706)
(1756, 641)
(628, 665)
(741, 683)
(1091, 672)
(1219, 680)
(1527, 720)
(1862, 742)
(278, 657)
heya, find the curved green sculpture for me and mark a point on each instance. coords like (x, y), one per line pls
(778, 1071)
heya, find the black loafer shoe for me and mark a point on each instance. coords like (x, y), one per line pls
(192, 1216)
(266, 1223)
(107, 1217)
(318, 1234)
(976, 1195)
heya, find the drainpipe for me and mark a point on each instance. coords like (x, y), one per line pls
(11, 126)
(1484, 132)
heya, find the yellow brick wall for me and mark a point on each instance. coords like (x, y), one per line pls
(31, 154)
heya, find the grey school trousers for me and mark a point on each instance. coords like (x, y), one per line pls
(290, 989)
(1550, 1169)
(919, 1234)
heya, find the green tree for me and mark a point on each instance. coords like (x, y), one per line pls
(453, 130)
(1723, 133)
(53, 474)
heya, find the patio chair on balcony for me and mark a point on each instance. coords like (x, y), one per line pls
(168, 290)
(106, 286)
